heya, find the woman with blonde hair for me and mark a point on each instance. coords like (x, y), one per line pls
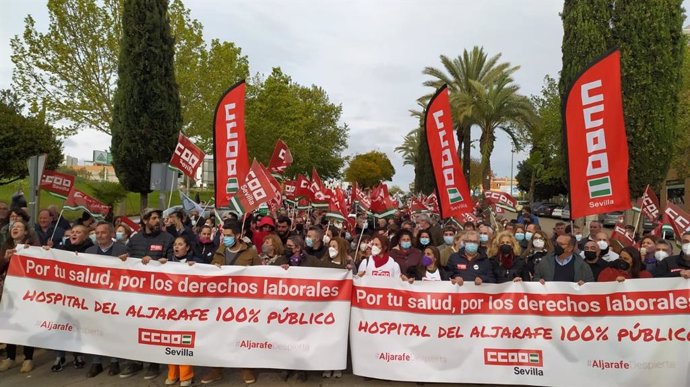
(271, 249)
(504, 255)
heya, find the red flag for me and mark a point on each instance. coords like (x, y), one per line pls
(361, 198)
(281, 159)
(275, 202)
(229, 144)
(417, 206)
(597, 143)
(187, 156)
(256, 190)
(381, 203)
(650, 205)
(79, 200)
(500, 200)
(619, 234)
(319, 195)
(58, 184)
(469, 217)
(451, 187)
(679, 219)
(337, 209)
(290, 191)
(431, 202)
(130, 223)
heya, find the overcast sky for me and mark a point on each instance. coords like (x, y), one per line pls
(368, 55)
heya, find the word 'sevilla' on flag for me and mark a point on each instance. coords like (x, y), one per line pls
(281, 159)
(187, 157)
(451, 187)
(597, 143)
(56, 183)
(256, 190)
(229, 144)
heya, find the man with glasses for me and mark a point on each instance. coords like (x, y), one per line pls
(563, 264)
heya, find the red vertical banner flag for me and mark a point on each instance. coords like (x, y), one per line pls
(650, 205)
(229, 145)
(597, 143)
(187, 157)
(281, 159)
(451, 186)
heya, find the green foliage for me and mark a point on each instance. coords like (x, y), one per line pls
(424, 178)
(108, 192)
(369, 169)
(681, 145)
(543, 174)
(22, 137)
(146, 112)
(303, 117)
(650, 37)
(410, 145)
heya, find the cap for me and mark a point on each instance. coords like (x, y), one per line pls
(148, 211)
(266, 221)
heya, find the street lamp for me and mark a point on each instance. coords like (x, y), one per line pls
(512, 153)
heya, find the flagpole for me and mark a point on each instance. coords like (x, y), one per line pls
(56, 224)
(637, 222)
(172, 187)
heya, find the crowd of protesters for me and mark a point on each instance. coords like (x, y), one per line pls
(407, 247)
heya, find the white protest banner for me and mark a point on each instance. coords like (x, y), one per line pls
(634, 333)
(250, 317)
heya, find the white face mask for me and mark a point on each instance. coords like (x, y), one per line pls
(332, 252)
(326, 239)
(603, 245)
(660, 255)
(686, 248)
(538, 243)
(375, 250)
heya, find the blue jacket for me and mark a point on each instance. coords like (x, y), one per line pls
(480, 266)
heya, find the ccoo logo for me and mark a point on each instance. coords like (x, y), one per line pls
(181, 339)
(513, 357)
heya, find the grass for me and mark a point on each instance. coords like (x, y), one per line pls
(129, 206)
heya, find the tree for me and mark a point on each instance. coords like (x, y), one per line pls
(476, 177)
(500, 107)
(408, 148)
(369, 169)
(650, 37)
(146, 111)
(462, 71)
(22, 137)
(303, 117)
(424, 178)
(71, 70)
(109, 193)
(681, 147)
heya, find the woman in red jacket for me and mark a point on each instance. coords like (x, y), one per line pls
(628, 265)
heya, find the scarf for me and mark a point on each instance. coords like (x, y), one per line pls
(506, 260)
(380, 260)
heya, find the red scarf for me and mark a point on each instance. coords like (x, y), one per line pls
(506, 260)
(380, 260)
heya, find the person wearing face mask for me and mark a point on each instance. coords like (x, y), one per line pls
(563, 264)
(362, 252)
(206, 246)
(506, 263)
(380, 264)
(123, 233)
(539, 246)
(607, 254)
(592, 255)
(628, 265)
(485, 235)
(314, 242)
(430, 269)
(405, 254)
(647, 249)
(233, 251)
(470, 264)
(520, 237)
(337, 254)
(423, 240)
(594, 228)
(455, 244)
(272, 249)
(677, 265)
(662, 250)
(527, 217)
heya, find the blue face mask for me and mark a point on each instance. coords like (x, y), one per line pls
(471, 247)
(119, 236)
(228, 241)
(309, 242)
(405, 245)
(528, 235)
(520, 236)
(448, 240)
(64, 240)
(483, 238)
(424, 241)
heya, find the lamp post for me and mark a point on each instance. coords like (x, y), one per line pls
(512, 153)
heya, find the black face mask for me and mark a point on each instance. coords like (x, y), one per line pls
(621, 265)
(506, 249)
(558, 250)
(590, 255)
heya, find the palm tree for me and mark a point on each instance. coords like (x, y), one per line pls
(499, 106)
(409, 146)
(461, 72)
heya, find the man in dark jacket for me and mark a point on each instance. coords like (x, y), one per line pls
(563, 264)
(150, 243)
(45, 229)
(677, 265)
(469, 264)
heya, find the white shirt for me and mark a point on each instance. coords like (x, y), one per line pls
(435, 276)
(389, 269)
(610, 256)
